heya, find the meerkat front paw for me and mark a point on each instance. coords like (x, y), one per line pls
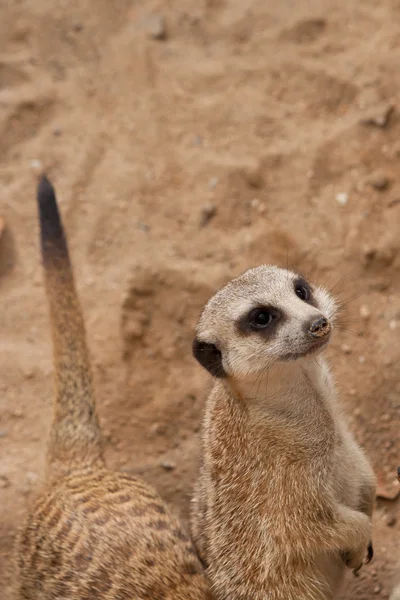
(356, 559)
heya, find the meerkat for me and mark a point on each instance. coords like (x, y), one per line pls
(285, 495)
(93, 533)
(395, 595)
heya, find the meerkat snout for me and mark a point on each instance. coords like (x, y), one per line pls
(319, 328)
(266, 315)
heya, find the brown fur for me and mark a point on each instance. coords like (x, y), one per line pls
(93, 533)
(395, 595)
(285, 495)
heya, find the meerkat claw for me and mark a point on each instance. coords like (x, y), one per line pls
(370, 553)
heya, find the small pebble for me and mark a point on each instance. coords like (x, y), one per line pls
(357, 411)
(377, 588)
(156, 27)
(379, 120)
(392, 324)
(37, 166)
(17, 412)
(207, 213)
(168, 465)
(346, 349)
(255, 203)
(390, 520)
(157, 429)
(212, 184)
(4, 482)
(379, 182)
(342, 198)
(31, 477)
(365, 312)
(361, 360)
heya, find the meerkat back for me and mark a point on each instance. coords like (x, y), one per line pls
(92, 533)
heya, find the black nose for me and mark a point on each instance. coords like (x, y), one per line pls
(318, 328)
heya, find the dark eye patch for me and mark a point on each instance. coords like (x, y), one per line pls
(303, 291)
(263, 320)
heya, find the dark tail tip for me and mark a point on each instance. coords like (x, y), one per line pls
(51, 229)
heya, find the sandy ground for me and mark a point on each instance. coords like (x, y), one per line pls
(234, 133)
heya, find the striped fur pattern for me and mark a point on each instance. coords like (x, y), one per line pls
(93, 534)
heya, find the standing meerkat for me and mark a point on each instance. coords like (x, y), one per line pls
(93, 533)
(285, 495)
(395, 595)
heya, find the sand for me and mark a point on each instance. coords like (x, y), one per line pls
(187, 142)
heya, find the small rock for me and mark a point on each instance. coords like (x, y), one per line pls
(3, 434)
(255, 203)
(57, 132)
(157, 429)
(361, 360)
(393, 202)
(377, 588)
(388, 492)
(17, 412)
(37, 166)
(77, 27)
(390, 520)
(156, 27)
(207, 213)
(357, 411)
(31, 477)
(380, 182)
(380, 118)
(253, 177)
(365, 312)
(342, 198)
(168, 465)
(4, 482)
(212, 184)
(346, 349)
(392, 324)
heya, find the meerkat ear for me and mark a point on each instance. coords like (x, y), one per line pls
(209, 357)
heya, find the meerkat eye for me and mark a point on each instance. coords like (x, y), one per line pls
(302, 292)
(260, 318)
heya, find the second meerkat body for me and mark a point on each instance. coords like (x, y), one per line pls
(285, 495)
(93, 534)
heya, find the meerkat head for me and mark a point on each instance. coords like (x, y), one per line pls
(265, 316)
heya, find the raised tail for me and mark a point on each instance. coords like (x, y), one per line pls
(75, 437)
